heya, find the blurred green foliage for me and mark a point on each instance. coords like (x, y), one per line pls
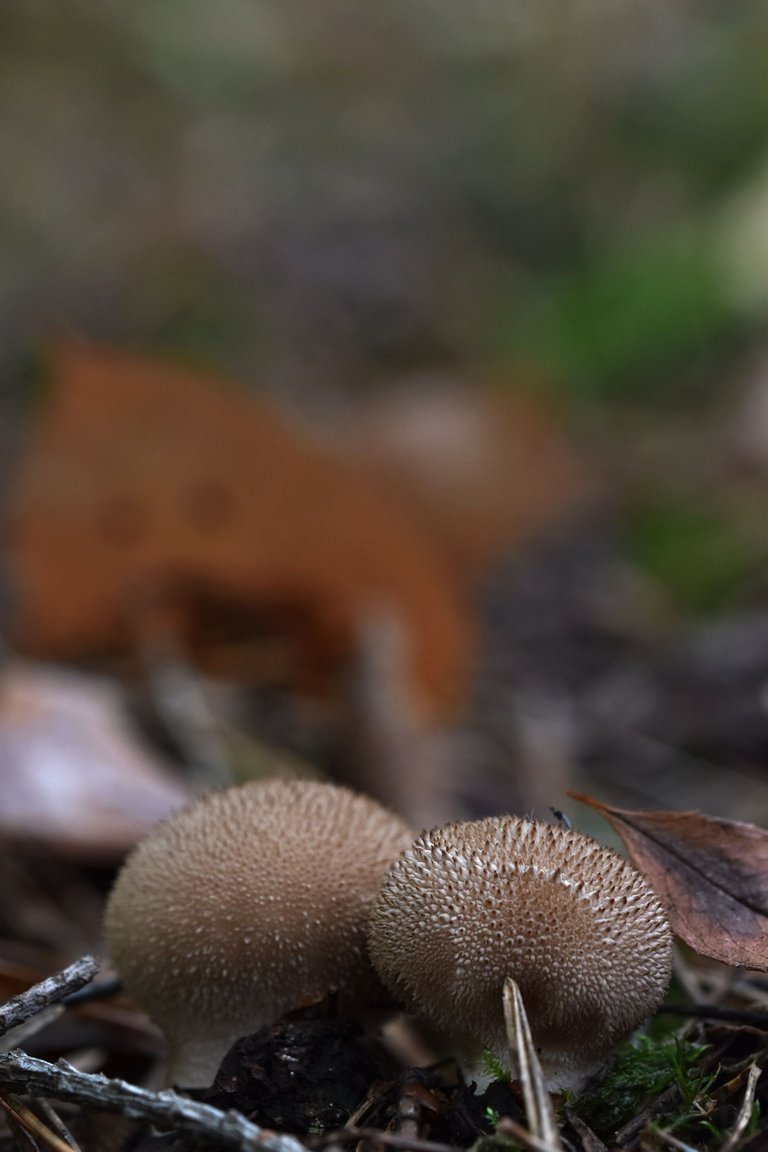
(629, 322)
(343, 187)
(695, 553)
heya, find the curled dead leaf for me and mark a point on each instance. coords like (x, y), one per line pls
(147, 482)
(711, 875)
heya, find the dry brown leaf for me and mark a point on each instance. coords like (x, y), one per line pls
(711, 875)
(145, 482)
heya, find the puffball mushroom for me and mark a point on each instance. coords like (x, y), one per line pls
(573, 923)
(248, 903)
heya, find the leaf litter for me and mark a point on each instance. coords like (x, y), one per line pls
(701, 1085)
(711, 875)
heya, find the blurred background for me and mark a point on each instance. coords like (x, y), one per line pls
(384, 395)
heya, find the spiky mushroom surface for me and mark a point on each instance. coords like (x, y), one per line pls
(577, 927)
(246, 904)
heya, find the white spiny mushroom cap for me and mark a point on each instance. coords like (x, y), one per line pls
(576, 926)
(244, 905)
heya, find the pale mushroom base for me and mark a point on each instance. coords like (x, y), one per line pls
(562, 1073)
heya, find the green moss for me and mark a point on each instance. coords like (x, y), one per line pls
(493, 1067)
(643, 1069)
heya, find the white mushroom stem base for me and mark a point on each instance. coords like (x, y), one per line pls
(194, 1063)
(557, 1075)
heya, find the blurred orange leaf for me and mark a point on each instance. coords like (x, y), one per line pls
(146, 483)
(711, 875)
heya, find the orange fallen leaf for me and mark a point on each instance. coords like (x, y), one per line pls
(144, 482)
(711, 875)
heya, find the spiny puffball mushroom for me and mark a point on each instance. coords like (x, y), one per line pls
(248, 903)
(577, 927)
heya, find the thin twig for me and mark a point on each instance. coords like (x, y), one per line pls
(539, 1112)
(47, 992)
(672, 1141)
(710, 1012)
(166, 1109)
(57, 1124)
(590, 1141)
(22, 1138)
(32, 1124)
(627, 1135)
(102, 990)
(509, 1127)
(745, 1112)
